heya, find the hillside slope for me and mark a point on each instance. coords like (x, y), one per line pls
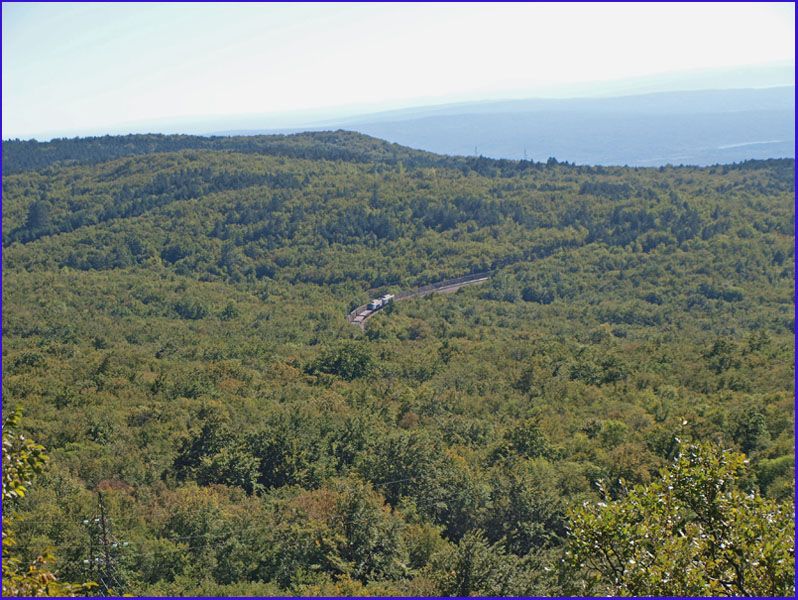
(174, 328)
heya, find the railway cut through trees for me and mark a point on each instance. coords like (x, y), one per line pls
(363, 313)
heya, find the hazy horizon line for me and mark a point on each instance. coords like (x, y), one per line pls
(326, 115)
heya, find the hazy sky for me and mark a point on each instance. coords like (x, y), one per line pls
(86, 68)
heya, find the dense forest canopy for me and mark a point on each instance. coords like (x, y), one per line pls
(174, 330)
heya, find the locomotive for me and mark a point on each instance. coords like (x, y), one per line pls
(381, 302)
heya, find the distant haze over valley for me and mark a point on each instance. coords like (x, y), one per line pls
(699, 117)
(694, 127)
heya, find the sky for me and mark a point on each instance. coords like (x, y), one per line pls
(89, 68)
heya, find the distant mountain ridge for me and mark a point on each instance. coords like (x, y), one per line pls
(676, 102)
(695, 127)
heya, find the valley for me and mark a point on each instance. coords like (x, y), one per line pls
(175, 334)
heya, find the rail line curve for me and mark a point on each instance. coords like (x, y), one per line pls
(361, 314)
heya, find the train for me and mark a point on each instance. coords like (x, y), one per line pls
(381, 302)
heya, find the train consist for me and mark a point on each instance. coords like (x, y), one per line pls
(359, 315)
(363, 313)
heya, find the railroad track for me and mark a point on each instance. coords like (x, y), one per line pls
(362, 314)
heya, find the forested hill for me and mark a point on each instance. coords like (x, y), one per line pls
(19, 155)
(174, 329)
(31, 155)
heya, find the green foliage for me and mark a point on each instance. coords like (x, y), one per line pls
(234, 466)
(526, 511)
(693, 533)
(475, 568)
(776, 476)
(348, 360)
(190, 309)
(22, 460)
(175, 328)
(749, 429)
(526, 439)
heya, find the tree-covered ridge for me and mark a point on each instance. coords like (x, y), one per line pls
(175, 329)
(247, 211)
(30, 155)
(341, 145)
(20, 156)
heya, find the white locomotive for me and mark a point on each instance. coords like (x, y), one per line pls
(381, 302)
